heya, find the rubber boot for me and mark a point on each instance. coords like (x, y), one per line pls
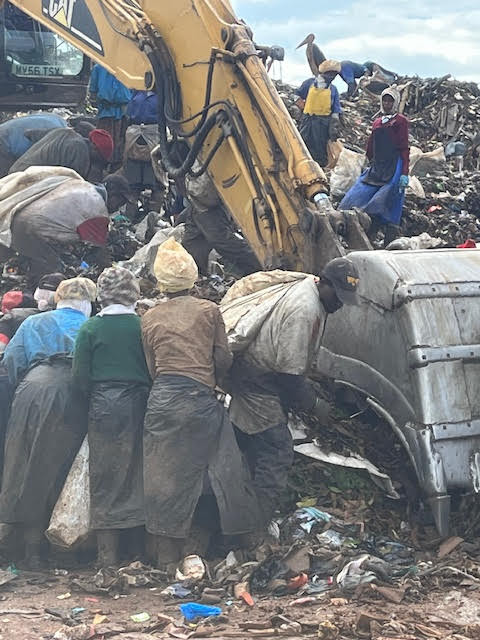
(107, 547)
(35, 544)
(168, 551)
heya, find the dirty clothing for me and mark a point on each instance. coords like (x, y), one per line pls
(350, 72)
(109, 349)
(212, 229)
(315, 133)
(112, 98)
(143, 108)
(186, 336)
(110, 367)
(6, 395)
(270, 457)
(187, 438)
(377, 190)
(72, 213)
(16, 136)
(40, 337)
(46, 428)
(115, 430)
(58, 148)
(267, 380)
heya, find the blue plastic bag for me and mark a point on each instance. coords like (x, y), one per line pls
(192, 610)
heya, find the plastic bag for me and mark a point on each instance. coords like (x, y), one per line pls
(70, 521)
(347, 170)
(334, 151)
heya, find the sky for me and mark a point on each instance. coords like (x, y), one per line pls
(420, 37)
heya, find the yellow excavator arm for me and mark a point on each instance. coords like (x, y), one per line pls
(215, 94)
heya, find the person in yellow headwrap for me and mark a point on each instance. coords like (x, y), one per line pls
(187, 433)
(319, 100)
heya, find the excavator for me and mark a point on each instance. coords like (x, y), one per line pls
(411, 350)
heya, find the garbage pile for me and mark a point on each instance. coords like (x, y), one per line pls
(441, 111)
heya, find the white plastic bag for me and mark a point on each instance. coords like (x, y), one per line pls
(348, 168)
(70, 521)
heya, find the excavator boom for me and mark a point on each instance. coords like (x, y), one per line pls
(215, 94)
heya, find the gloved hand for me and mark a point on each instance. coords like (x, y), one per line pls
(403, 183)
(321, 410)
(334, 127)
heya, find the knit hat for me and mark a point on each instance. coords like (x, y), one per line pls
(174, 267)
(76, 289)
(117, 285)
(103, 142)
(330, 65)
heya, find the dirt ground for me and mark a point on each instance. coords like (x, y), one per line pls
(32, 607)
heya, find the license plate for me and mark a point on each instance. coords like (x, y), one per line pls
(36, 70)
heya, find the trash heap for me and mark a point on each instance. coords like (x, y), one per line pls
(440, 111)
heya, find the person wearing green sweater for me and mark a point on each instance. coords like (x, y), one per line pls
(109, 365)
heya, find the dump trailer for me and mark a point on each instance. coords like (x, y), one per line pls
(412, 350)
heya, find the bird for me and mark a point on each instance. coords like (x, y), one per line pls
(315, 55)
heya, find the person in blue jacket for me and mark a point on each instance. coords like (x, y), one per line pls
(17, 135)
(111, 98)
(143, 108)
(47, 422)
(350, 72)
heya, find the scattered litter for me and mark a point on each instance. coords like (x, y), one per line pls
(140, 617)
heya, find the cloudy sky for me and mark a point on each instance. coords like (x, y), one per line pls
(424, 37)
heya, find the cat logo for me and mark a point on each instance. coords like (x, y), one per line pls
(61, 11)
(74, 16)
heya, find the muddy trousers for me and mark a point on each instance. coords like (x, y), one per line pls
(212, 230)
(270, 456)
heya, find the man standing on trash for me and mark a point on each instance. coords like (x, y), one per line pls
(267, 378)
(188, 438)
(320, 102)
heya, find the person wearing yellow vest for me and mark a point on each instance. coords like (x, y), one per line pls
(320, 102)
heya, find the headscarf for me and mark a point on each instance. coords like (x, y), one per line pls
(76, 289)
(393, 93)
(330, 65)
(174, 267)
(117, 286)
(16, 300)
(103, 142)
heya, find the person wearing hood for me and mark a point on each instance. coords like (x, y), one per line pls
(380, 190)
(319, 100)
(109, 367)
(48, 418)
(67, 148)
(188, 439)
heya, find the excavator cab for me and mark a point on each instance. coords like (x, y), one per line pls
(38, 68)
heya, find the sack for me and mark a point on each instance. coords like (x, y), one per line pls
(140, 140)
(334, 149)
(347, 171)
(70, 521)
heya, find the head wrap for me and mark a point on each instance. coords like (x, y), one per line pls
(174, 268)
(117, 285)
(11, 300)
(76, 289)
(395, 95)
(103, 142)
(330, 65)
